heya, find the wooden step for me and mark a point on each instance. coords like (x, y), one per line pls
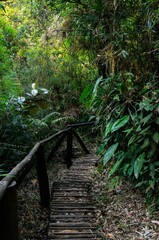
(72, 215)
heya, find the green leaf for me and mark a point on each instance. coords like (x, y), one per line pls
(138, 164)
(156, 164)
(130, 171)
(145, 144)
(120, 123)
(157, 120)
(102, 145)
(152, 170)
(156, 137)
(1, 6)
(86, 92)
(140, 184)
(146, 105)
(96, 86)
(133, 117)
(153, 149)
(109, 153)
(145, 131)
(108, 128)
(128, 131)
(115, 167)
(132, 140)
(138, 129)
(125, 168)
(146, 119)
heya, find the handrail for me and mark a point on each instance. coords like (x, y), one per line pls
(55, 135)
(76, 125)
(8, 200)
(14, 174)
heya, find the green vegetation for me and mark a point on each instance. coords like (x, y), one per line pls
(78, 60)
(126, 101)
(41, 76)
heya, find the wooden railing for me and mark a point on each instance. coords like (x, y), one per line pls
(8, 185)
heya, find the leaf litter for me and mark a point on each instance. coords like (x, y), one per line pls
(121, 212)
(33, 219)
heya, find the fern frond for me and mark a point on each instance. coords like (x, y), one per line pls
(63, 119)
(50, 116)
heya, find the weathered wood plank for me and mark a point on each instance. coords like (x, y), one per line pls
(72, 214)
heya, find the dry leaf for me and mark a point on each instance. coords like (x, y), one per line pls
(154, 221)
(110, 235)
(34, 181)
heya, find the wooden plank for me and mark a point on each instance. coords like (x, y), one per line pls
(73, 235)
(72, 214)
(74, 225)
(68, 206)
(69, 211)
(71, 232)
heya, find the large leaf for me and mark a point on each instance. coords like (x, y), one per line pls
(115, 167)
(146, 119)
(156, 137)
(108, 128)
(97, 84)
(86, 92)
(96, 87)
(109, 153)
(120, 123)
(102, 145)
(146, 143)
(138, 164)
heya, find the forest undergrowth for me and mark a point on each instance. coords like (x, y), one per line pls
(121, 212)
(33, 219)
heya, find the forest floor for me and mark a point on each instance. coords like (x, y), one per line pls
(120, 211)
(33, 219)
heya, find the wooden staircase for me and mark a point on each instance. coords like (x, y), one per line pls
(72, 214)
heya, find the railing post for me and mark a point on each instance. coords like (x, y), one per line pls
(55, 148)
(9, 214)
(43, 177)
(69, 149)
(80, 142)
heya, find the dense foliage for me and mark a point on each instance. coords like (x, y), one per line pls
(51, 50)
(126, 101)
(123, 37)
(41, 76)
